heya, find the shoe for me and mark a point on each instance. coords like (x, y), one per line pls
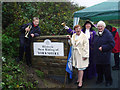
(78, 87)
(76, 83)
(98, 82)
(30, 65)
(108, 84)
(111, 82)
(115, 68)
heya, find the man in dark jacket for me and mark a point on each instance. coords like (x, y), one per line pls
(103, 45)
(28, 31)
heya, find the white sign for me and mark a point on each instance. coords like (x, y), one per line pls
(48, 48)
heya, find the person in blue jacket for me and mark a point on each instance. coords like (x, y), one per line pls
(103, 45)
(28, 31)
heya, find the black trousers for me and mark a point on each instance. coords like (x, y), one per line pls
(25, 46)
(116, 59)
(104, 70)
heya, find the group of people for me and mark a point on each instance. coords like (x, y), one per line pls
(91, 51)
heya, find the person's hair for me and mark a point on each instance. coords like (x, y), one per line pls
(101, 23)
(109, 27)
(84, 28)
(35, 18)
(76, 26)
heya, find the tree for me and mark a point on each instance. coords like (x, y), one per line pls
(51, 15)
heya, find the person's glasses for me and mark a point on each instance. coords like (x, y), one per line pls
(77, 28)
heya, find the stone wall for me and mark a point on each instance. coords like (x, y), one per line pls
(51, 65)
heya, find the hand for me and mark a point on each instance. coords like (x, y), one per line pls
(27, 29)
(84, 58)
(66, 27)
(32, 35)
(68, 36)
(100, 48)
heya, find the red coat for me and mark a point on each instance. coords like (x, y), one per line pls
(116, 49)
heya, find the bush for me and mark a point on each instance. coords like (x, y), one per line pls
(13, 76)
(10, 46)
(17, 13)
(39, 73)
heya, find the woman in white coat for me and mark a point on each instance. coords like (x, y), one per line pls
(80, 52)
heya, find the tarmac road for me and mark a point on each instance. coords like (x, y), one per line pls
(92, 82)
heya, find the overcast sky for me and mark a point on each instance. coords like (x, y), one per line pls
(87, 3)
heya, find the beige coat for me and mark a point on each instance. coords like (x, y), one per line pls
(80, 48)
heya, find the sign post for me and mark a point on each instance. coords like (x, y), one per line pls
(48, 48)
(49, 55)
